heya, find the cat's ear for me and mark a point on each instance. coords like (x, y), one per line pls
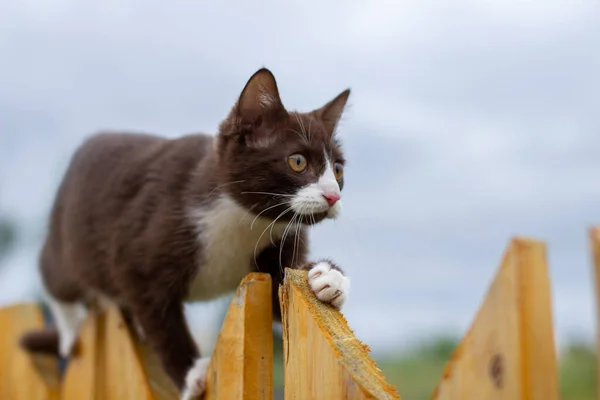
(259, 100)
(331, 112)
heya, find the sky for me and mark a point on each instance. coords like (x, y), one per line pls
(470, 122)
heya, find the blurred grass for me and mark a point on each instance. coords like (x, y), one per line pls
(415, 373)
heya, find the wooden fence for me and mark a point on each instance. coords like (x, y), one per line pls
(508, 352)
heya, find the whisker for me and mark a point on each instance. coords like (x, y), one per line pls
(298, 133)
(297, 242)
(294, 246)
(301, 124)
(269, 193)
(248, 211)
(266, 209)
(224, 184)
(304, 128)
(285, 233)
(272, 224)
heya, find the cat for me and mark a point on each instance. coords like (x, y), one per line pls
(150, 223)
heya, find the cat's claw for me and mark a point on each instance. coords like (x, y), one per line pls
(195, 381)
(328, 284)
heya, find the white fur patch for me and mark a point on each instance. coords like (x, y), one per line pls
(195, 380)
(68, 318)
(231, 236)
(310, 200)
(335, 211)
(329, 285)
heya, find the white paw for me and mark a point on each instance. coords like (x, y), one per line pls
(195, 381)
(329, 285)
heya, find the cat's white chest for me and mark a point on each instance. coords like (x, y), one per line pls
(230, 238)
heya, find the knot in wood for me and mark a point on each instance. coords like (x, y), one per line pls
(496, 370)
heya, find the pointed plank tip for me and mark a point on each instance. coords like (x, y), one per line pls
(335, 345)
(508, 350)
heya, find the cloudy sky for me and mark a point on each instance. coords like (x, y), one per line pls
(470, 122)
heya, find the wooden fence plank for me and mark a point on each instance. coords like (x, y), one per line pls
(242, 362)
(80, 379)
(106, 365)
(594, 234)
(112, 363)
(123, 374)
(23, 376)
(159, 383)
(509, 350)
(322, 357)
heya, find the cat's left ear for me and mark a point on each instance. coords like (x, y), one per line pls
(259, 102)
(331, 112)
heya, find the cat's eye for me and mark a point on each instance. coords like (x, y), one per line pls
(297, 162)
(338, 170)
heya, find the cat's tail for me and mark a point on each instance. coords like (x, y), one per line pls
(45, 341)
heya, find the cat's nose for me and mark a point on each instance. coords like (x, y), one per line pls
(331, 198)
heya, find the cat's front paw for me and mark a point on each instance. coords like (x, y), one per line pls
(329, 284)
(195, 380)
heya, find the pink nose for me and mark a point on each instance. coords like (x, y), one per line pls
(331, 198)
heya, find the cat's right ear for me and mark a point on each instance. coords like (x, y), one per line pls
(259, 101)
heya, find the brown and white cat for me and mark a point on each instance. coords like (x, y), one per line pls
(150, 223)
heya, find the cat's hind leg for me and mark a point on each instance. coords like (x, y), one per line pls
(65, 298)
(68, 317)
(57, 340)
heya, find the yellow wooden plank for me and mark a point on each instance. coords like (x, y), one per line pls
(322, 357)
(111, 364)
(242, 362)
(159, 383)
(79, 381)
(21, 375)
(123, 375)
(509, 350)
(594, 233)
(241, 365)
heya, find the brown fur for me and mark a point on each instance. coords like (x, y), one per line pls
(120, 227)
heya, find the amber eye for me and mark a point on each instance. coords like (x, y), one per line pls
(338, 170)
(297, 162)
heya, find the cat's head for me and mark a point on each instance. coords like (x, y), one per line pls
(280, 163)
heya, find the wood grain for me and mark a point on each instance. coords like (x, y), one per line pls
(322, 357)
(242, 362)
(21, 375)
(80, 378)
(509, 350)
(112, 363)
(123, 375)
